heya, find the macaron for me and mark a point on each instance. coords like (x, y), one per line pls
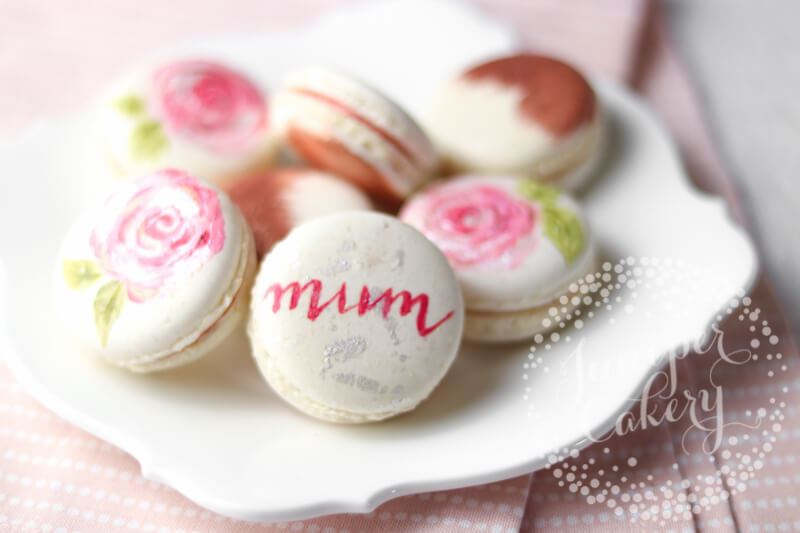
(199, 116)
(355, 317)
(515, 245)
(275, 201)
(525, 114)
(158, 274)
(342, 125)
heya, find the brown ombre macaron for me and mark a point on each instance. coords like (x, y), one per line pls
(341, 125)
(275, 201)
(526, 114)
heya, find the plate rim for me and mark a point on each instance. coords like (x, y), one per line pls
(152, 470)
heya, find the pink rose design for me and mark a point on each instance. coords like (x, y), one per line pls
(478, 224)
(157, 230)
(209, 104)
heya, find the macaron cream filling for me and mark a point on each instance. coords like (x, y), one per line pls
(349, 111)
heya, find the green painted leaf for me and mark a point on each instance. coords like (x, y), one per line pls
(80, 274)
(107, 306)
(538, 192)
(564, 229)
(148, 140)
(130, 105)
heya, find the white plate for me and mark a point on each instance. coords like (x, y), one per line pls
(214, 431)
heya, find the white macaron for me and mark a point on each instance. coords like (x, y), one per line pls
(156, 275)
(196, 115)
(355, 317)
(515, 245)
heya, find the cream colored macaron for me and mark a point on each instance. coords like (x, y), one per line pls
(525, 114)
(196, 115)
(515, 245)
(156, 275)
(355, 317)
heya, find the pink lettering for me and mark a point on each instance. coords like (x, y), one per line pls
(365, 303)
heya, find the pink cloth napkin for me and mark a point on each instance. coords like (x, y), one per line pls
(54, 477)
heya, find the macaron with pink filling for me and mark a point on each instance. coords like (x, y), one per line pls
(527, 114)
(515, 246)
(201, 116)
(157, 275)
(342, 125)
(275, 201)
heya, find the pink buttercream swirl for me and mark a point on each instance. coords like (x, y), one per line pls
(209, 104)
(478, 224)
(157, 230)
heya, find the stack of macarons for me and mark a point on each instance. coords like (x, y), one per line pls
(353, 315)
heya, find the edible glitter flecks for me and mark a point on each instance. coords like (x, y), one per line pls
(340, 264)
(344, 349)
(354, 380)
(341, 350)
(400, 356)
(391, 326)
(399, 260)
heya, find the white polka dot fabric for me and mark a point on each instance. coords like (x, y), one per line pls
(56, 478)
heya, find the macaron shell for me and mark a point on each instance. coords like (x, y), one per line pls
(372, 106)
(160, 325)
(353, 366)
(237, 304)
(332, 141)
(479, 124)
(328, 153)
(340, 125)
(302, 401)
(554, 94)
(115, 129)
(511, 326)
(275, 201)
(313, 195)
(528, 273)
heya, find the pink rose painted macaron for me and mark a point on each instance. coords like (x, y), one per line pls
(355, 317)
(275, 201)
(527, 114)
(156, 275)
(341, 125)
(195, 115)
(515, 245)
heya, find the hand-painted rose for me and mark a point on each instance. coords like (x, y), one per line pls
(202, 117)
(479, 224)
(208, 104)
(158, 274)
(515, 245)
(168, 225)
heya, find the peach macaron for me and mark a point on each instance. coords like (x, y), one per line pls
(342, 125)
